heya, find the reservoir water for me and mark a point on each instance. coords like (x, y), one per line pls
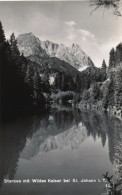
(62, 152)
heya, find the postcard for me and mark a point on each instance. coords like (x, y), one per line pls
(61, 97)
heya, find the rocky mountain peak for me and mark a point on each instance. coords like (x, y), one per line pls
(50, 47)
(74, 55)
(29, 45)
(75, 45)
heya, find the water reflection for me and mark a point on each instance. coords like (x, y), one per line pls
(13, 138)
(58, 130)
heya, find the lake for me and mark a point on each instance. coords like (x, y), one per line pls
(66, 150)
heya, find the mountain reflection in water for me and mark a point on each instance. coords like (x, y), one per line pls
(65, 140)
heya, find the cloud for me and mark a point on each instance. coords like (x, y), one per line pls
(71, 36)
(90, 42)
(86, 39)
(87, 34)
(70, 23)
(74, 32)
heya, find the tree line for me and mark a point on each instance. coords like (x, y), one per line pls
(20, 86)
(106, 90)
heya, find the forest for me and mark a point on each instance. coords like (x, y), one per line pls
(25, 85)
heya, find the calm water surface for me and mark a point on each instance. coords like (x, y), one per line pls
(65, 144)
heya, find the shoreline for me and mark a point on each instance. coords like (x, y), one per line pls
(110, 110)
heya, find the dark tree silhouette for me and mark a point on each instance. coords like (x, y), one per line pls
(112, 59)
(2, 35)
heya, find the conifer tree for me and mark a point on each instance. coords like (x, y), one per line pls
(108, 95)
(14, 48)
(104, 66)
(119, 53)
(95, 92)
(77, 84)
(2, 35)
(112, 59)
(118, 88)
(103, 71)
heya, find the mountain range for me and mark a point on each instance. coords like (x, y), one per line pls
(36, 50)
(51, 138)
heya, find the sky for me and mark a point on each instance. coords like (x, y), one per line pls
(65, 22)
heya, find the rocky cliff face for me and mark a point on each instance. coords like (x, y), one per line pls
(74, 55)
(35, 49)
(30, 46)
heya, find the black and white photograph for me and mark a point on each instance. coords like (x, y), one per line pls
(61, 97)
